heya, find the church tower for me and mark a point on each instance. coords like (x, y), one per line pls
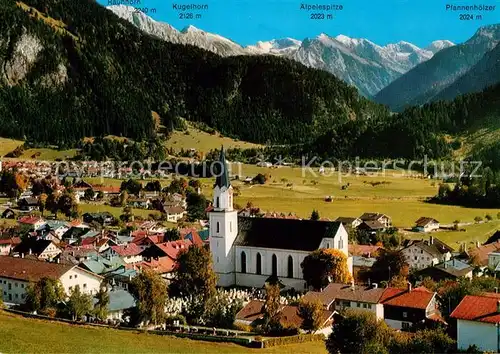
(223, 226)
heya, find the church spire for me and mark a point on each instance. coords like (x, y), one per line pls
(222, 179)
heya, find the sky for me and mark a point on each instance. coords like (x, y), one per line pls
(381, 21)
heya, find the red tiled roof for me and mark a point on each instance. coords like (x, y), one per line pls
(417, 298)
(480, 308)
(88, 241)
(288, 316)
(480, 254)
(10, 241)
(30, 270)
(127, 250)
(173, 248)
(30, 220)
(160, 265)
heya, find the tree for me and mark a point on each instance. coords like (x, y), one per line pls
(478, 219)
(315, 215)
(150, 292)
(79, 304)
(89, 194)
(259, 179)
(389, 263)
(311, 312)
(488, 217)
(101, 306)
(153, 186)
(128, 214)
(67, 204)
(42, 202)
(196, 206)
(131, 186)
(357, 332)
(177, 186)
(172, 234)
(44, 294)
(324, 266)
(123, 198)
(272, 306)
(194, 273)
(100, 195)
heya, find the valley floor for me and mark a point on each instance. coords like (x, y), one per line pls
(21, 335)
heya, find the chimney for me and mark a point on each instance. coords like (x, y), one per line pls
(409, 287)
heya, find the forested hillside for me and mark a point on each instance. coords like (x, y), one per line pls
(416, 132)
(71, 69)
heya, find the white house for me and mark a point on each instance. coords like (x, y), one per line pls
(16, 273)
(175, 213)
(130, 253)
(426, 224)
(426, 253)
(337, 297)
(246, 251)
(478, 318)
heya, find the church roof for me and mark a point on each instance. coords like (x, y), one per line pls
(222, 179)
(289, 234)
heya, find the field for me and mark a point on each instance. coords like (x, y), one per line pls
(401, 197)
(51, 337)
(202, 141)
(7, 145)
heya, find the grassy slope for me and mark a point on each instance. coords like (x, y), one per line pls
(20, 335)
(7, 145)
(202, 141)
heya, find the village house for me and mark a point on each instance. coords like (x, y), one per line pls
(16, 273)
(404, 308)
(349, 222)
(130, 253)
(480, 255)
(28, 204)
(478, 319)
(338, 297)
(141, 203)
(246, 251)
(426, 224)
(426, 253)
(58, 227)
(119, 301)
(162, 257)
(378, 217)
(450, 269)
(42, 249)
(175, 213)
(7, 244)
(33, 223)
(253, 314)
(103, 218)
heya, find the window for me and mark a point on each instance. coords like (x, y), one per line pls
(274, 265)
(10, 286)
(328, 245)
(17, 296)
(358, 304)
(84, 286)
(243, 262)
(405, 325)
(76, 276)
(290, 267)
(217, 202)
(22, 286)
(23, 296)
(259, 264)
(15, 285)
(346, 303)
(405, 314)
(217, 259)
(218, 227)
(70, 288)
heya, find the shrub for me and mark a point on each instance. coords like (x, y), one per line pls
(302, 338)
(243, 327)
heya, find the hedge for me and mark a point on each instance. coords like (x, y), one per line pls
(301, 338)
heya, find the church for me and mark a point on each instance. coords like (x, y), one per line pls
(246, 251)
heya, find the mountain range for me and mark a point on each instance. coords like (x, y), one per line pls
(463, 68)
(359, 62)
